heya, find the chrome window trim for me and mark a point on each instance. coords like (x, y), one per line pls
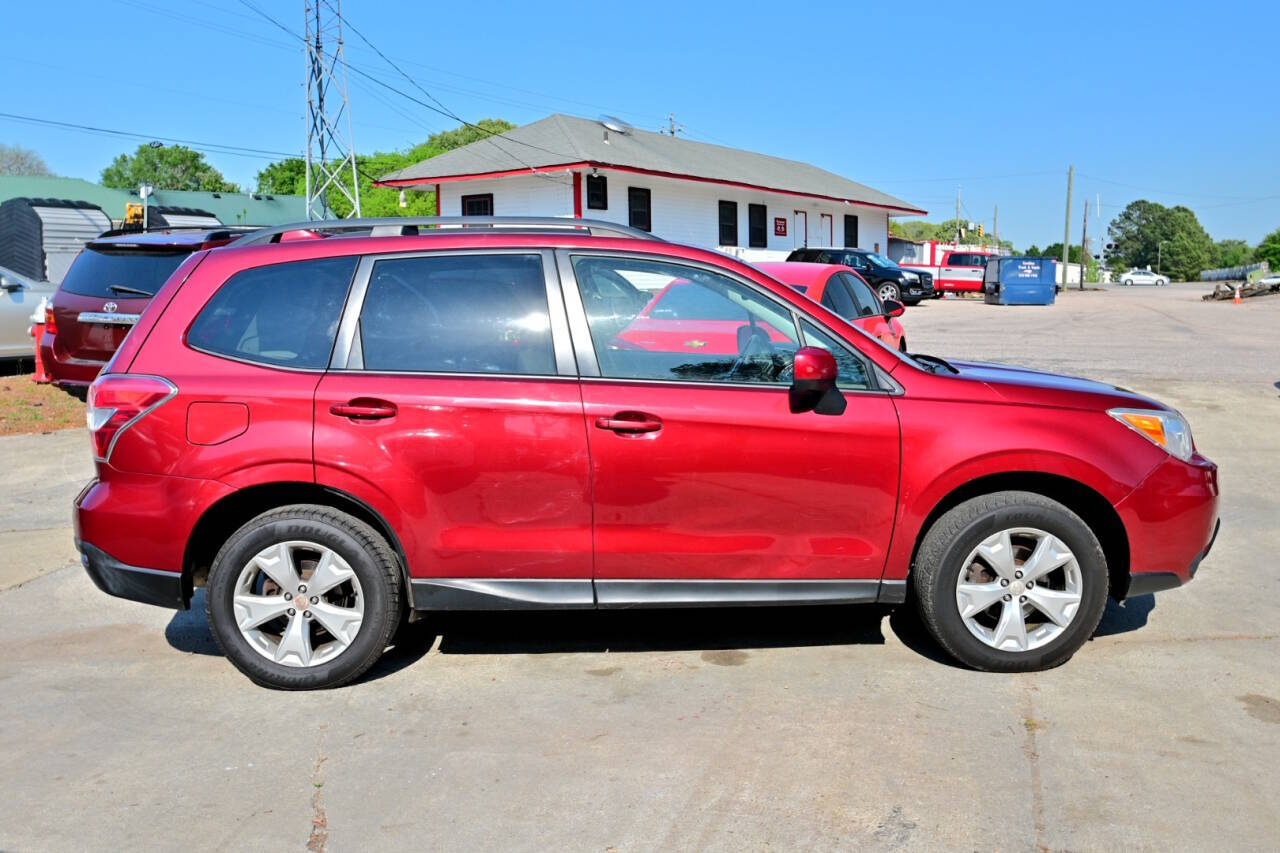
(348, 356)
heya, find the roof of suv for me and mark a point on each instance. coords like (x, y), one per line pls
(188, 238)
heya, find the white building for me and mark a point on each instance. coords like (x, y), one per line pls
(748, 204)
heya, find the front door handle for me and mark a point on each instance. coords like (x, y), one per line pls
(365, 410)
(629, 422)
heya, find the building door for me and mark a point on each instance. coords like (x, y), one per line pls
(799, 229)
(825, 229)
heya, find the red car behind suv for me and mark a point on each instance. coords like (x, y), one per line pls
(325, 432)
(103, 293)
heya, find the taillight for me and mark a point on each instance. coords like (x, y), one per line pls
(119, 400)
(50, 324)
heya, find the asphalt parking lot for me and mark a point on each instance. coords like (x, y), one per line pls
(794, 729)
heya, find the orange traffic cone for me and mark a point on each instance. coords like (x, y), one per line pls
(1236, 300)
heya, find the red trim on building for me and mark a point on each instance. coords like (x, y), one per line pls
(508, 173)
(577, 195)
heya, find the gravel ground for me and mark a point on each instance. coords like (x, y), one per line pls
(812, 729)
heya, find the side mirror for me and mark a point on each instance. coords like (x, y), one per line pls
(9, 285)
(894, 308)
(813, 386)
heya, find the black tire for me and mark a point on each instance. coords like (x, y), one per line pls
(369, 556)
(883, 288)
(958, 531)
(80, 392)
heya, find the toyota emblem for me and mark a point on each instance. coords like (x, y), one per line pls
(110, 307)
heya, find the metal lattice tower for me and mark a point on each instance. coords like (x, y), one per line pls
(330, 152)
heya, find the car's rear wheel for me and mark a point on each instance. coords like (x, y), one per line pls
(889, 291)
(304, 597)
(1011, 582)
(1128, 282)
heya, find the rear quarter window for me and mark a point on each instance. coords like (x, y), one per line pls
(284, 314)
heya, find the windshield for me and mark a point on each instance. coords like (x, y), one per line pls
(881, 261)
(135, 274)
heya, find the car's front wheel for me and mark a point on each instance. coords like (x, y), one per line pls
(1011, 582)
(888, 291)
(304, 597)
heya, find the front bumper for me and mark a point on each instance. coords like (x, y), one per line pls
(149, 586)
(1172, 522)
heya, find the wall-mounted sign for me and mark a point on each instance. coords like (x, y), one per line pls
(779, 226)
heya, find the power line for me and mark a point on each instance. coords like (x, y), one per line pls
(209, 147)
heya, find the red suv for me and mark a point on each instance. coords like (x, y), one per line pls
(103, 293)
(327, 432)
(843, 291)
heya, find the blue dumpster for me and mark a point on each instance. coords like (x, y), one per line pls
(1019, 281)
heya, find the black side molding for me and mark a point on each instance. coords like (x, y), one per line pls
(149, 586)
(1143, 583)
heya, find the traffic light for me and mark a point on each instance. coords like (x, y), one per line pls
(979, 230)
(132, 213)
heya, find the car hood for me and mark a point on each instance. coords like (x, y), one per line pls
(1023, 385)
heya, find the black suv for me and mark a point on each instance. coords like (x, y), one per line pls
(889, 280)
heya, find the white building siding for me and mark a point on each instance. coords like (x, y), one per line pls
(683, 211)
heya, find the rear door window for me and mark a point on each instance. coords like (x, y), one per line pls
(284, 314)
(458, 314)
(836, 297)
(121, 274)
(863, 296)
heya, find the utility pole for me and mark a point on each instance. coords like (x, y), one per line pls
(1066, 230)
(995, 227)
(672, 127)
(330, 151)
(1084, 244)
(957, 214)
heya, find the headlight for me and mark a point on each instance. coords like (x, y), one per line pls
(1170, 430)
(910, 276)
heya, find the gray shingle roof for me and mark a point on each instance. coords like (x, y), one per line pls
(559, 140)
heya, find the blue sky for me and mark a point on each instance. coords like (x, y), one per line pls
(1171, 102)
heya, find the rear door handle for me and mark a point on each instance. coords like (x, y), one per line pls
(365, 410)
(626, 422)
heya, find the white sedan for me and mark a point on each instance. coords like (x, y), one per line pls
(1133, 277)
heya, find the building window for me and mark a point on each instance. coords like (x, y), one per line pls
(638, 208)
(477, 205)
(757, 217)
(597, 192)
(728, 223)
(851, 231)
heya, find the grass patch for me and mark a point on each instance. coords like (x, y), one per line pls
(27, 407)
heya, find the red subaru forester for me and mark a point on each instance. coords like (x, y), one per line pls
(326, 432)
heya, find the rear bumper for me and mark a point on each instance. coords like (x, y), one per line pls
(149, 586)
(1172, 522)
(65, 371)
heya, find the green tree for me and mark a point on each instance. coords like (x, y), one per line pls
(165, 167)
(286, 177)
(1269, 250)
(16, 160)
(1231, 253)
(1169, 238)
(1035, 251)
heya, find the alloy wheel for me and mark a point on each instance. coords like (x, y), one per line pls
(1019, 589)
(298, 603)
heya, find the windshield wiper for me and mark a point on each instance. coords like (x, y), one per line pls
(932, 362)
(124, 288)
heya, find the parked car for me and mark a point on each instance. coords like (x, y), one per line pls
(104, 292)
(843, 291)
(1133, 277)
(325, 433)
(891, 282)
(961, 272)
(19, 296)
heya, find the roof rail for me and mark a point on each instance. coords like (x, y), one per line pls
(410, 225)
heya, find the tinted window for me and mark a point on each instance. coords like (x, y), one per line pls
(638, 209)
(836, 297)
(728, 223)
(757, 216)
(283, 314)
(95, 270)
(808, 256)
(858, 262)
(866, 301)
(701, 327)
(458, 314)
(853, 372)
(597, 192)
